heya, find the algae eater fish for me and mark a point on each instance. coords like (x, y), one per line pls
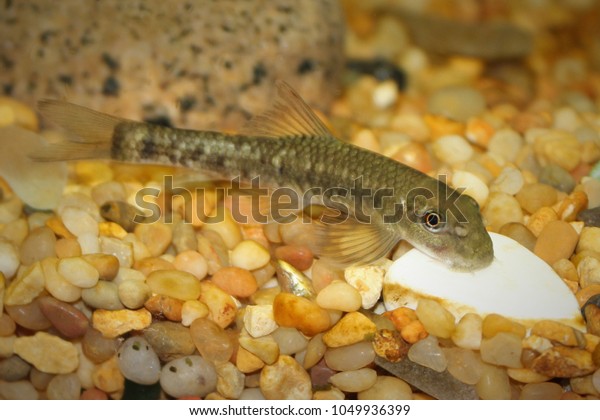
(381, 200)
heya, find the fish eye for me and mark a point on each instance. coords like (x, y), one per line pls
(432, 221)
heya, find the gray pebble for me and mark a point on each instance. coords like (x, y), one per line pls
(557, 177)
(591, 217)
(138, 361)
(188, 376)
(14, 368)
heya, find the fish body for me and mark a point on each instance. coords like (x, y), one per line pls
(375, 200)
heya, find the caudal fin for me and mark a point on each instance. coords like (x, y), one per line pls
(90, 132)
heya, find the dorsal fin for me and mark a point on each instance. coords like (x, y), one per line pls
(289, 116)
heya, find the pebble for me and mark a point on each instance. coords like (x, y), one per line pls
(115, 323)
(56, 284)
(39, 379)
(591, 311)
(7, 345)
(588, 271)
(192, 310)
(29, 316)
(38, 244)
(352, 357)
(584, 385)
(465, 365)
(222, 307)
(165, 306)
(89, 243)
(67, 319)
(435, 318)
(174, 283)
(452, 149)
(301, 257)
(285, 380)
(93, 394)
(354, 380)
(78, 272)
(509, 181)
(472, 185)
(297, 312)
(226, 228)
(564, 362)
(265, 348)
(289, 340)
(64, 387)
(556, 241)
(169, 340)
(352, 328)
(589, 240)
(501, 209)
(259, 320)
(230, 381)
(415, 155)
(503, 349)
(79, 222)
(557, 177)
(505, 143)
(15, 231)
(25, 287)
(104, 295)
(123, 250)
(428, 353)
(457, 103)
(390, 345)
(147, 266)
(538, 220)
(249, 255)
(558, 147)
(193, 262)
(86, 367)
(368, 280)
(236, 281)
(107, 376)
(340, 296)
(247, 362)
(264, 274)
(534, 196)
(211, 340)
(468, 332)
(555, 331)
(494, 384)
(494, 324)
(133, 293)
(519, 233)
(526, 375)
(7, 325)
(138, 361)
(18, 390)
(47, 352)
(156, 236)
(67, 247)
(98, 348)
(188, 376)
(387, 388)
(13, 369)
(541, 391)
(571, 206)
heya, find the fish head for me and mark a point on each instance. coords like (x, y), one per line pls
(447, 225)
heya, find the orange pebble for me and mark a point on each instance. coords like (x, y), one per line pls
(413, 332)
(160, 305)
(236, 281)
(301, 257)
(94, 394)
(401, 317)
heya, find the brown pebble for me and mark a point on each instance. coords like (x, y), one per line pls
(301, 257)
(236, 281)
(66, 318)
(564, 362)
(98, 348)
(151, 264)
(93, 394)
(534, 196)
(390, 345)
(29, 316)
(556, 241)
(39, 244)
(161, 305)
(121, 213)
(107, 265)
(170, 340)
(519, 233)
(592, 318)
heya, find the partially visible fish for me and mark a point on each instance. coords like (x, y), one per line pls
(376, 200)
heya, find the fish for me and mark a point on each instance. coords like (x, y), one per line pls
(371, 201)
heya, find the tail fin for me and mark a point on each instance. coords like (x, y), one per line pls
(90, 132)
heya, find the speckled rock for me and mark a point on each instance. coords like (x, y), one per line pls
(188, 376)
(224, 56)
(138, 361)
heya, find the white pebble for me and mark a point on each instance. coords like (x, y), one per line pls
(340, 296)
(138, 361)
(259, 320)
(188, 376)
(354, 380)
(506, 143)
(78, 272)
(453, 149)
(133, 293)
(9, 258)
(510, 181)
(249, 255)
(427, 352)
(472, 184)
(289, 340)
(192, 310)
(89, 243)
(79, 222)
(368, 280)
(104, 295)
(56, 284)
(385, 94)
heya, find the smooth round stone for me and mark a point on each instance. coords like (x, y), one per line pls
(301, 257)
(236, 281)
(542, 391)
(297, 312)
(534, 196)
(494, 384)
(39, 244)
(226, 227)
(452, 149)
(108, 191)
(97, 347)
(427, 352)
(212, 341)
(340, 296)
(18, 390)
(556, 241)
(192, 262)
(354, 380)
(107, 376)
(589, 239)
(249, 255)
(368, 280)
(79, 222)
(472, 185)
(559, 147)
(170, 340)
(352, 357)
(519, 232)
(456, 102)
(104, 295)
(78, 272)
(39, 379)
(13, 369)
(29, 316)
(133, 293)
(64, 387)
(506, 143)
(9, 258)
(10, 209)
(557, 177)
(289, 340)
(387, 388)
(503, 349)
(463, 364)
(56, 284)
(435, 318)
(138, 361)
(66, 318)
(314, 351)
(67, 247)
(174, 283)
(188, 376)
(156, 237)
(509, 181)
(285, 380)
(501, 209)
